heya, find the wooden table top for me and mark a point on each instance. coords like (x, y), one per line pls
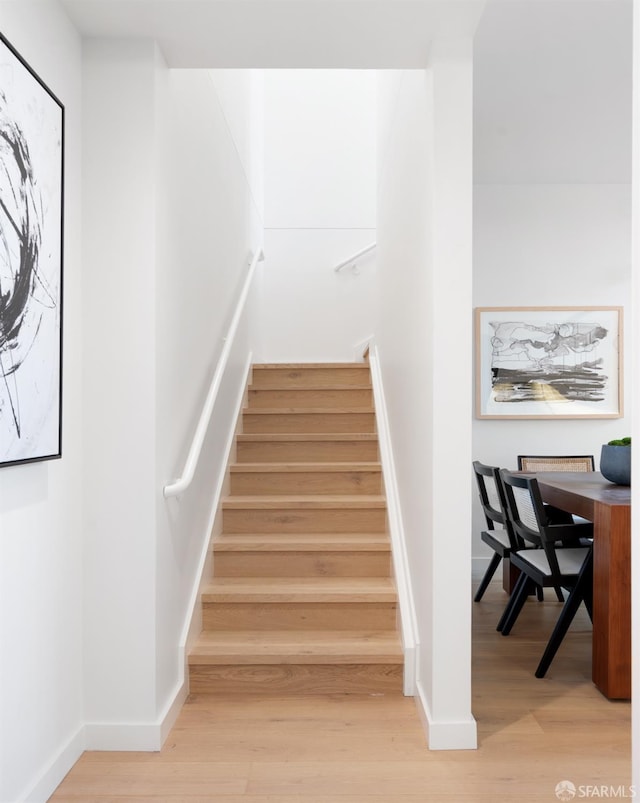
(590, 485)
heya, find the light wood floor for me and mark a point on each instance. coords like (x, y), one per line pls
(354, 749)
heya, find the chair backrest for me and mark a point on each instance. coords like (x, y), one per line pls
(581, 462)
(492, 498)
(529, 518)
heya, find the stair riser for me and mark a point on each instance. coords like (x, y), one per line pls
(306, 482)
(296, 679)
(307, 452)
(307, 422)
(299, 521)
(310, 377)
(299, 616)
(294, 397)
(301, 564)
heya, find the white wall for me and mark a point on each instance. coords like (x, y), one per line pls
(423, 333)
(240, 95)
(170, 221)
(320, 146)
(545, 110)
(119, 159)
(540, 245)
(208, 222)
(41, 679)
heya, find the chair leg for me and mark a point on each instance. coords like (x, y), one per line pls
(562, 625)
(519, 597)
(510, 602)
(491, 570)
(540, 593)
(578, 594)
(559, 594)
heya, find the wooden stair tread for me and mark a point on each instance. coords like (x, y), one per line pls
(306, 410)
(303, 542)
(298, 366)
(308, 388)
(306, 502)
(303, 436)
(284, 446)
(300, 589)
(309, 398)
(318, 467)
(296, 647)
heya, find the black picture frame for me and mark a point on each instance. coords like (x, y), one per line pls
(32, 126)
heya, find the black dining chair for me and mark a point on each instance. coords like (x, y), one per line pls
(562, 559)
(573, 462)
(498, 533)
(536, 462)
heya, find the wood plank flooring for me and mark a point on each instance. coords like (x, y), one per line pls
(532, 734)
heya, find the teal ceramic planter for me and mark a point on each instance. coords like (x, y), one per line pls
(615, 464)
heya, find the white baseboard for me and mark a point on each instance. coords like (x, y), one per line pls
(449, 735)
(172, 710)
(52, 774)
(144, 736)
(410, 670)
(125, 736)
(406, 600)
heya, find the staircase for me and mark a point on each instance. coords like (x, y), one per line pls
(301, 599)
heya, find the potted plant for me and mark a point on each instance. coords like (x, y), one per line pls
(615, 461)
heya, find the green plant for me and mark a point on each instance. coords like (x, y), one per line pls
(620, 442)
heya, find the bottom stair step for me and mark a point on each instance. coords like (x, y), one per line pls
(307, 679)
(304, 662)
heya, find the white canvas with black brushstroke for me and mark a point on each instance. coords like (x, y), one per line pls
(31, 153)
(540, 362)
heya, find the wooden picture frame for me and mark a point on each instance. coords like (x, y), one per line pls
(548, 362)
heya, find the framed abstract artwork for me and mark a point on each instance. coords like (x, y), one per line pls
(548, 362)
(31, 244)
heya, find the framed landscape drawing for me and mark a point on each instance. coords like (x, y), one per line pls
(31, 204)
(548, 362)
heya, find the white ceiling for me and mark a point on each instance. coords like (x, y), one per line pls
(552, 92)
(552, 78)
(282, 33)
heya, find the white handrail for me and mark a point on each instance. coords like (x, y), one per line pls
(180, 485)
(354, 257)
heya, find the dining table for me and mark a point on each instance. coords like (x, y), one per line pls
(608, 506)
